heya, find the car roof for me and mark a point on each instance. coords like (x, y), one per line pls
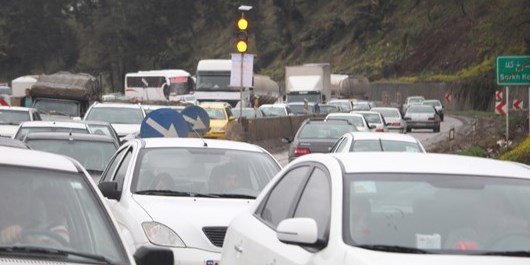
(429, 163)
(117, 105)
(12, 143)
(383, 136)
(16, 108)
(62, 123)
(69, 136)
(342, 114)
(198, 143)
(36, 159)
(384, 108)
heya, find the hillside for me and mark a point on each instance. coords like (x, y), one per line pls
(405, 40)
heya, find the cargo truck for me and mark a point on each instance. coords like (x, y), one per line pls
(310, 82)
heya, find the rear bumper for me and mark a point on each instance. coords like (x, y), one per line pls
(423, 124)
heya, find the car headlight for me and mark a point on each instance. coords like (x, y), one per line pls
(162, 235)
(218, 129)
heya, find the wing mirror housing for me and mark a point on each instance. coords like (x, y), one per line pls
(109, 189)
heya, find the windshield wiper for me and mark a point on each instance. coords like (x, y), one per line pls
(399, 249)
(515, 253)
(237, 196)
(24, 250)
(176, 193)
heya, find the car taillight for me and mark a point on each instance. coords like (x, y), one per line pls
(379, 130)
(396, 123)
(299, 151)
(431, 118)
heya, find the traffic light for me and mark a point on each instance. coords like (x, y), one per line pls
(242, 36)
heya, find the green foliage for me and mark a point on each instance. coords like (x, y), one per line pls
(474, 151)
(520, 153)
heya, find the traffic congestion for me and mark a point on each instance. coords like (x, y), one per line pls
(228, 160)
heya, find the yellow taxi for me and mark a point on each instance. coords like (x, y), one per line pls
(220, 114)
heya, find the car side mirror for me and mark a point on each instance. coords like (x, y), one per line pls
(297, 231)
(371, 126)
(151, 255)
(109, 189)
(286, 140)
(232, 118)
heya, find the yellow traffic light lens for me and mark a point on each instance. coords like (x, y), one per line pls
(242, 24)
(241, 46)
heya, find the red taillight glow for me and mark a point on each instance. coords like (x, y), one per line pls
(178, 79)
(379, 130)
(431, 118)
(396, 123)
(298, 151)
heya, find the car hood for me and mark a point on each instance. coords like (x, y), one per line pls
(188, 216)
(366, 257)
(123, 129)
(218, 123)
(8, 130)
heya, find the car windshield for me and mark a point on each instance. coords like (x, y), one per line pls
(355, 120)
(57, 107)
(273, 111)
(388, 113)
(443, 213)
(372, 118)
(216, 114)
(434, 103)
(102, 130)
(421, 109)
(385, 145)
(116, 115)
(185, 171)
(91, 154)
(415, 100)
(247, 113)
(299, 108)
(23, 131)
(12, 117)
(325, 130)
(57, 211)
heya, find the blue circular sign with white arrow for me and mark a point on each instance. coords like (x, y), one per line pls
(197, 118)
(164, 122)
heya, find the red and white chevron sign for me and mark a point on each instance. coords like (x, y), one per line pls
(517, 104)
(448, 97)
(498, 95)
(501, 108)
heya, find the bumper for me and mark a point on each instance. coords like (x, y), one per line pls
(194, 256)
(423, 124)
(396, 128)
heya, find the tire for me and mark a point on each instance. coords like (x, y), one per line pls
(437, 129)
(408, 129)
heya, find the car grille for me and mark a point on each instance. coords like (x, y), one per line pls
(216, 234)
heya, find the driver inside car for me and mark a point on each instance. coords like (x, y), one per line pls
(24, 216)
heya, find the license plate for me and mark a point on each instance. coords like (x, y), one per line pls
(211, 262)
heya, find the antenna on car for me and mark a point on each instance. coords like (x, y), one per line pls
(200, 136)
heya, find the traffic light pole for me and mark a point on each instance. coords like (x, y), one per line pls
(241, 90)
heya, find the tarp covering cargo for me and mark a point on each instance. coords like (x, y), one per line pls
(65, 85)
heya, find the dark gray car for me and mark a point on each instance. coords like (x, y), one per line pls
(317, 136)
(91, 150)
(422, 117)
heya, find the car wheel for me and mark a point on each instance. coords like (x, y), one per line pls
(408, 129)
(441, 117)
(437, 129)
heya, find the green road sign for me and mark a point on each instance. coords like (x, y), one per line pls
(513, 70)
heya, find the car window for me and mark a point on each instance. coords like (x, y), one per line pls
(116, 115)
(315, 201)
(23, 131)
(278, 205)
(342, 145)
(122, 168)
(109, 173)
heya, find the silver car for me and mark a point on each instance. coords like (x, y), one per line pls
(422, 117)
(394, 120)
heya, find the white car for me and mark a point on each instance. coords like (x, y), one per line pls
(276, 110)
(11, 117)
(125, 118)
(53, 213)
(356, 119)
(345, 104)
(394, 120)
(377, 142)
(350, 208)
(374, 118)
(182, 193)
(49, 126)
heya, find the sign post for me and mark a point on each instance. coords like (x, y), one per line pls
(513, 70)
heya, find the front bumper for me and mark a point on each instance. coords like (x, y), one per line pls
(194, 256)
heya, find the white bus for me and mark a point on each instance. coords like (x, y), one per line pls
(158, 85)
(213, 83)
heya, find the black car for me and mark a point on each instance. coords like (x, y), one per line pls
(317, 136)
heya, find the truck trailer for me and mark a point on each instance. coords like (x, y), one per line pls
(308, 82)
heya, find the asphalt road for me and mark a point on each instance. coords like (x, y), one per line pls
(427, 137)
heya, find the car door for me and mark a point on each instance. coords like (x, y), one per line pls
(303, 191)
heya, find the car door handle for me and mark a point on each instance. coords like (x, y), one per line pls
(238, 248)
